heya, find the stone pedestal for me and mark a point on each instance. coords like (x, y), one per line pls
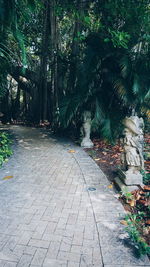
(128, 180)
(87, 143)
(123, 187)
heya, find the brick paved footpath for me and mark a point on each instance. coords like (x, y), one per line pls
(47, 215)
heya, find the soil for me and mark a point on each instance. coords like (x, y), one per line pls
(107, 157)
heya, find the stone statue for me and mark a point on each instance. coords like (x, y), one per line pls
(133, 144)
(129, 175)
(86, 142)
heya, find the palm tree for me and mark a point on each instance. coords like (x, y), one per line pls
(111, 83)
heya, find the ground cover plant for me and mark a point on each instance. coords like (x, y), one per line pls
(5, 147)
(137, 204)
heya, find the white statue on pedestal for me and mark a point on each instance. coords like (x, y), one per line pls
(86, 141)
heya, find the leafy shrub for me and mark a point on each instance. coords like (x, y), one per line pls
(5, 149)
(132, 229)
(146, 177)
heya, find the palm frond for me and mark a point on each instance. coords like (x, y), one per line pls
(20, 38)
(68, 109)
(147, 96)
(125, 66)
(98, 116)
(136, 85)
(31, 4)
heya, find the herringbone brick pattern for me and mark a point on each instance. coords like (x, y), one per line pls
(48, 217)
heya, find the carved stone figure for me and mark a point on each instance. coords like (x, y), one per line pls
(86, 141)
(129, 176)
(132, 157)
(133, 144)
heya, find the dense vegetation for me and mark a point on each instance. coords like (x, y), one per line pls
(59, 58)
(5, 148)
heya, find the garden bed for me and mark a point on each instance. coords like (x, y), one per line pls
(136, 203)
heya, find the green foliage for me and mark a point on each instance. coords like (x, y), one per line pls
(118, 38)
(5, 149)
(146, 177)
(134, 83)
(95, 91)
(128, 195)
(100, 60)
(13, 16)
(132, 229)
(113, 79)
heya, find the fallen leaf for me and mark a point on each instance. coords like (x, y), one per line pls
(114, 156)
(71, 151)
(124, 222)
(146, 230)
(132, 203)
(97, 159)
(142, 201)
(110, 186)
(137, 195)
(148, 222)
(146, 188)
(7, 177)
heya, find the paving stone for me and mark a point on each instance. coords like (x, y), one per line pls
(65, 247)
(39, 243)
(53, 250)
(8, 256)
(86, 259)
(9, 264)
(73, 264)
(25, 261)
(118, 265)
(40, 229)
(54, 263)
(30, 250)
(2, 263)
(39, 257)
(75, 257)
(25, 238)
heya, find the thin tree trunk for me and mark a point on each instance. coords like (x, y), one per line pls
(17, 103)
(75, 48)
(25, 108)
(54, 59)
(44, 64)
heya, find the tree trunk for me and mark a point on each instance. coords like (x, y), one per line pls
(75, 49)
(16, 109)
(44, 64)
(54, 60)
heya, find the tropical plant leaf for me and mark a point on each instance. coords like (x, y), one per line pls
(136, 84)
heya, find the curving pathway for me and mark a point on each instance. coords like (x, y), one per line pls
(48, 215)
